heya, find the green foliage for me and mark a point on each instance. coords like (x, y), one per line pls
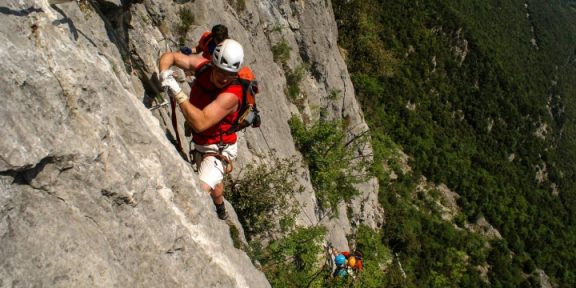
(293, 260)
(297, 260)
(293, 79)
(182, 28)
(375, 256)
(235, 235)
(262, 195)
(332, 158)
(364, 32)
(281, 52)
(434, 252)
(334, 94)
(276, 28)
(460, 118)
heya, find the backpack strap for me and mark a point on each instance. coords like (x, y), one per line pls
(245, 86)
(202, 68)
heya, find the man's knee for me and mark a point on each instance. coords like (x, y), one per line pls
(218, 190)
(206, 187)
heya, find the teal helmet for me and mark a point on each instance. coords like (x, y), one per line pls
(340, 260)
(341, 273)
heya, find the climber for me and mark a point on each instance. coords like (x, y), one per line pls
(208, 41)
(354, 260)
(206, 45)
(352, 263)
(211, 109)
(341, 268)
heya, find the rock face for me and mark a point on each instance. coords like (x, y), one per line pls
(92, 193)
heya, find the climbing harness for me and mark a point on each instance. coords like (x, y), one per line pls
(226, 162)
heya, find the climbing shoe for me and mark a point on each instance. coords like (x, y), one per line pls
(221, 211)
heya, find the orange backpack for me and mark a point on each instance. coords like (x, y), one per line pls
(248, 113)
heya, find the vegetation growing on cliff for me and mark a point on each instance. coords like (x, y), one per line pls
(478, 93)
(332, 159)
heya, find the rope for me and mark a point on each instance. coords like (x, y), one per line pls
(173, 115)
(304, 211)
(175, 126)
(265, 141)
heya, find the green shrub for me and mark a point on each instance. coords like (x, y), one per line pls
(334, 94)
(299, 260)
(293, 79)
(293, 260)
(261, 195)
(281, 52)
(333, 159)
(182, 28)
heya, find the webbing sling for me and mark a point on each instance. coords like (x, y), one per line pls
(175, 126)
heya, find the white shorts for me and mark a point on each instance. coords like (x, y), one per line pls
(210, 168)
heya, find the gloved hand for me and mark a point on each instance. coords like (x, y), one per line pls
(166, 74)
(174, 89)
(172, 85)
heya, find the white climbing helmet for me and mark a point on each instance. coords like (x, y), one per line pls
(228, 56)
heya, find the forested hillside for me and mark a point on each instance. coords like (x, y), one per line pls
(482, 96)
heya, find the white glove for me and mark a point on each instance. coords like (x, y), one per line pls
(172, 85)
(166, 74)
(174, 90)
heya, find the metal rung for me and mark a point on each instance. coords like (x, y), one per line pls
(165, 103)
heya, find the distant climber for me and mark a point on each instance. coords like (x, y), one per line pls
(210, 110)
(341, 270)
(354, 260)
(206, 45)
(347, 264)
(208, 41)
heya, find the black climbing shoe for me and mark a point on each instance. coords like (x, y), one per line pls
(221, 211)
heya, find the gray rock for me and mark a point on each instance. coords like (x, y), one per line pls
(92, 193)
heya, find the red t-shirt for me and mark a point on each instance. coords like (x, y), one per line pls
(203, 93)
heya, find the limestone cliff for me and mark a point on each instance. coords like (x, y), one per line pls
(92, 192)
